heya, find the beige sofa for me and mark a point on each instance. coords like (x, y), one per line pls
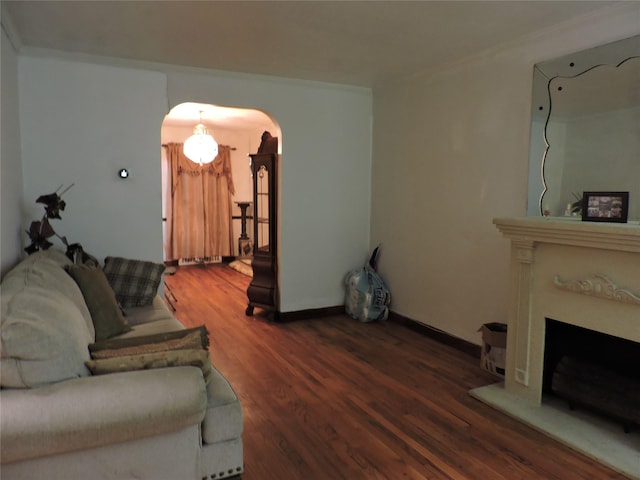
(57, 421)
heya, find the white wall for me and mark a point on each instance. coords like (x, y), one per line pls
(92, 119)
(11, 238)
(451, 152)
(81, 123)
(325, 175)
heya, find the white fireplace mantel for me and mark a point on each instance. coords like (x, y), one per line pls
(571, 231)
(582, 273)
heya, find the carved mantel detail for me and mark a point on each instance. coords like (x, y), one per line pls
(598, 286)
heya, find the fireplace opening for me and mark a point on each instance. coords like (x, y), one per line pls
(593, 370)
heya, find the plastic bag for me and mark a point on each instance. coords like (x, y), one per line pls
(366, 296)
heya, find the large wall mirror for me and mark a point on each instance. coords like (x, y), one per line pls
(585, 128)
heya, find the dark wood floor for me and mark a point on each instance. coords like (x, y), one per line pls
(332, 398)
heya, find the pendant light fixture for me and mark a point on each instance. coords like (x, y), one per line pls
(200, 147)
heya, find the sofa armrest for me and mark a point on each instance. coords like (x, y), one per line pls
(94, 411)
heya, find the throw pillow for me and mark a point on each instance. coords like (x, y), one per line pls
(135, 282)
(75, 252)
(105, 312)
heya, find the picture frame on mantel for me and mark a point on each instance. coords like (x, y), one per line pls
(605, 207)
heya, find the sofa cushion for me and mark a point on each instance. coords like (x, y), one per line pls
(153, 328)
(150, 313)
(46, 269)
(152, 319)
(98, 295)
(43, 338)
(135, 282)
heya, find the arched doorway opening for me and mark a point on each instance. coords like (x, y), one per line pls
(238, 131)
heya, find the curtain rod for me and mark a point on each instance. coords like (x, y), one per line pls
(166, 145)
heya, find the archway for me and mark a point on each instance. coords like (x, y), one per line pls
(240, 129)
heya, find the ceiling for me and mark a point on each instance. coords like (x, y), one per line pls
(362, 43)
(359, 43)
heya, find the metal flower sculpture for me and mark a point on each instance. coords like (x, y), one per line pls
(41, 230)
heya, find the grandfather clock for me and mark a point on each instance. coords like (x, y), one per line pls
(263, 289)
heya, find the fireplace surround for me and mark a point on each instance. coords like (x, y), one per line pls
(583, 274)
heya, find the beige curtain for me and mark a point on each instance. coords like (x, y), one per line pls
(199, 214)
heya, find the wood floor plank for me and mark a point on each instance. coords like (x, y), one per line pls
(332, 398)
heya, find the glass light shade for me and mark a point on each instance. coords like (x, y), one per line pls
(200, 147)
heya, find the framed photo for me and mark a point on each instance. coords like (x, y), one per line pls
(605, 206)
